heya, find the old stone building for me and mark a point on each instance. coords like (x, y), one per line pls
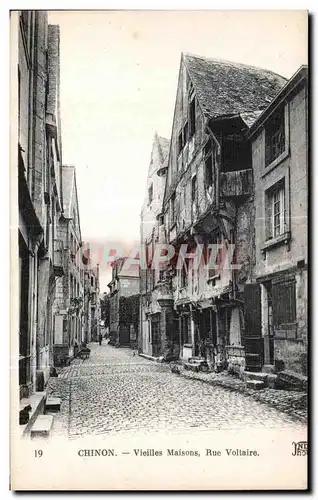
(124, 283)
(209, 208)
(92, 312)
(69, 310)
(151, 341)
(40, 203)
(276, 305)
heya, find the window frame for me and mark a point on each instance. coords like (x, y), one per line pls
(272, 150)
(183, 137)
(278, 199)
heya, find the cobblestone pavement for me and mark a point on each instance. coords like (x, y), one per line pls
(116, 392)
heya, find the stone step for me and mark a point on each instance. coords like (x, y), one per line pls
(53, 404)
(269, 369)
(290, 380)
(272, 380)
(247, 375)
(42, 426)
(36, 401)
(195, 367)
(255, 384)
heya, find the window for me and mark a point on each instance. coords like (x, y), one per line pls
(278, 210)
(284, 307)
(275, 136)
(182, 138)
(150, 194)
(275, 204)
(161, 274)
(216, 254)
(209, 154)
(161, 220)
(194, 189)
(192, 118)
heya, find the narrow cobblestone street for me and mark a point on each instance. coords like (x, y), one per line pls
(116, 392)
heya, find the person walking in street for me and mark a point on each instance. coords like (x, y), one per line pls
(100, 339)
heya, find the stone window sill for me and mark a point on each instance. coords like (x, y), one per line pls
(282, 239)
(188, 346)
(275, 162)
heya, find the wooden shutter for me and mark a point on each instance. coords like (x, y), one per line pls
(252, 310)
(284, 302)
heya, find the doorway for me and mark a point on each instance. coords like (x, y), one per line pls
(155, 335)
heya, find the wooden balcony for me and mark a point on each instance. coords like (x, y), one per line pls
(236, 184)
(58, 258)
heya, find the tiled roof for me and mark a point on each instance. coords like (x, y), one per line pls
(226, 88)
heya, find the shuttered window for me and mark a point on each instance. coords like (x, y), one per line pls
(284, 302)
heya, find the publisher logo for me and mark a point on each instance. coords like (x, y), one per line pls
(300, 448)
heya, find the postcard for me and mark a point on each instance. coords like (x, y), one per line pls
(159, 203)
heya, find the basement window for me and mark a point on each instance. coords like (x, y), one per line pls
(275, 136)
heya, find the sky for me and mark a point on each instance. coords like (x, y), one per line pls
(119, 74)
